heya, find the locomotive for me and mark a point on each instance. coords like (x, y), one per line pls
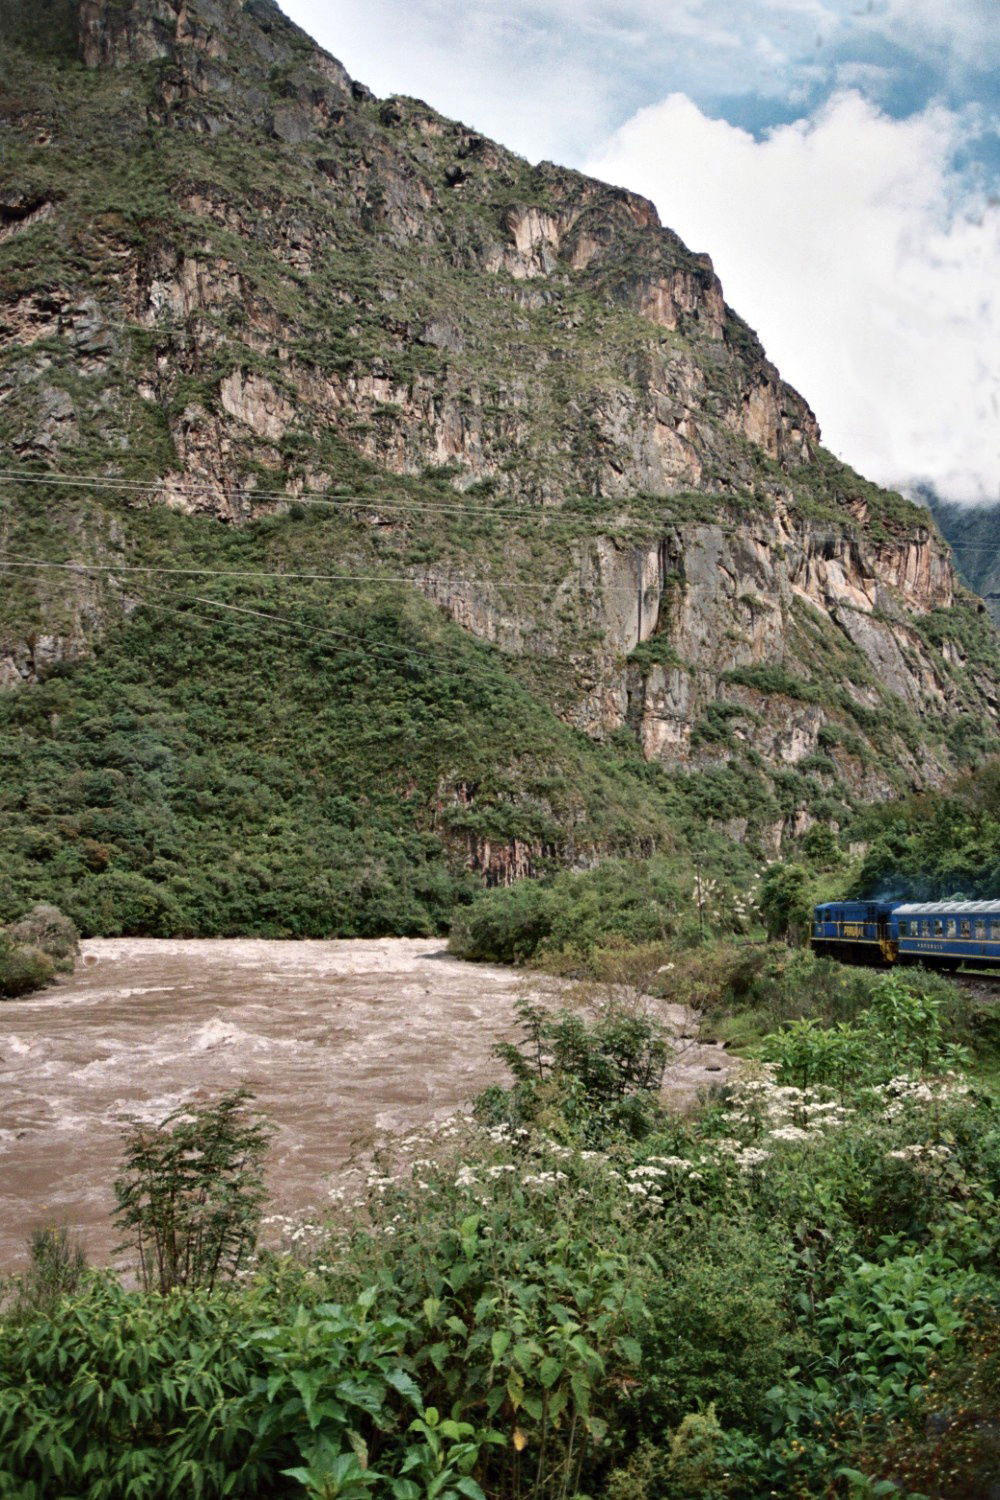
(938, 934)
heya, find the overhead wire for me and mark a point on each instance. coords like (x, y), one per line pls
(340, 501)
(18, 560)
(313, 631)
(333, 498)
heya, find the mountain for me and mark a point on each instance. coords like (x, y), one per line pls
(973, 532)
(382, 513)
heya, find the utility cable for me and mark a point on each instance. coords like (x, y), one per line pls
(18, 560)
(306, 497)
(314, 632)
(330, 497)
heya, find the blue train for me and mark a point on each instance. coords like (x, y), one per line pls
(940, 934)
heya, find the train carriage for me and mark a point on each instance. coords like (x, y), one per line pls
(947, 933)
(939, 934)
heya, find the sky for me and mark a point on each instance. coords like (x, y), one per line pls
(838, 159)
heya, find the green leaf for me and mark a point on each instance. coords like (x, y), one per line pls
(469, 1487)
(406, 1386)
(499, 1343)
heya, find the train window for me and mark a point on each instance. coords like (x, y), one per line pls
(938, 927)
(951, 930)
(925, 929)
(965, 928)
(995, 929)
(902, 929)
(980, 928)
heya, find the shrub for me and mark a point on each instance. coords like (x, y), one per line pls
(603, 1074)
(902, 1030)
(523, 1316)
(46, 927)
(506, 926)
(619, 901)
(718, 1324)
(772, 678)
(56, 1268)
(190, 1194)
(953, 1435)
(785, 903)
(22, 969)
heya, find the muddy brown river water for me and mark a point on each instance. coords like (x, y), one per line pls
(338, 1041)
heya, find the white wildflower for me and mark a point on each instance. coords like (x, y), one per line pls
(750, 1157)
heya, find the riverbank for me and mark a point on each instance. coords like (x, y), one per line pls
(338, 1040)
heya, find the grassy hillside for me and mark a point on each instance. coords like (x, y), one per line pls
(318, 765)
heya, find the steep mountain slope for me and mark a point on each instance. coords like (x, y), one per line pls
(973, 531)
(255, 321)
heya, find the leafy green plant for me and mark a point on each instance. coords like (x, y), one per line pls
(902, 1030)
(605, 1071)
(22, 969)
(191, 1191)
(785, 902)
(56, 1266)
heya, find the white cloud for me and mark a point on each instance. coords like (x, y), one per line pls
(839, 240)
(966, 29)
(519, 72)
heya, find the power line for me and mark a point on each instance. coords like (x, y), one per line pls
(332, 498)
(18, 560)
(313, 631)
(338, 501)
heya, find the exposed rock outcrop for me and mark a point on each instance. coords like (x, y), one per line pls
(562, 434)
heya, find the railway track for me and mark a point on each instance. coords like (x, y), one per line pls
(984, 982)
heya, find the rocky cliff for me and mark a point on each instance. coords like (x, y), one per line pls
(236, 289)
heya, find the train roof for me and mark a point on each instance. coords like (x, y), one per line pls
(937, 908)
(882, 905)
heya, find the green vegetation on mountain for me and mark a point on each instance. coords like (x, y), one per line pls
(933, 847)
(973, 532)
(254, 321)
(304, 774)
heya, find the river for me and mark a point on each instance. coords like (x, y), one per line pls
(337, 1040)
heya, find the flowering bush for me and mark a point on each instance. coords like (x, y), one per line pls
(556, 1296)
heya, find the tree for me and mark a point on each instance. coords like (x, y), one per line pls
(191, 1191)
(786, 904)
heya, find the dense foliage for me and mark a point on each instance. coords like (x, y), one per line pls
(331, 773)
(793, 1291)
(620, 903)
(936, 845)
(190, 1193)
(41, 944)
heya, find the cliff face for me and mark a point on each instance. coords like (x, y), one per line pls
(234, 282)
